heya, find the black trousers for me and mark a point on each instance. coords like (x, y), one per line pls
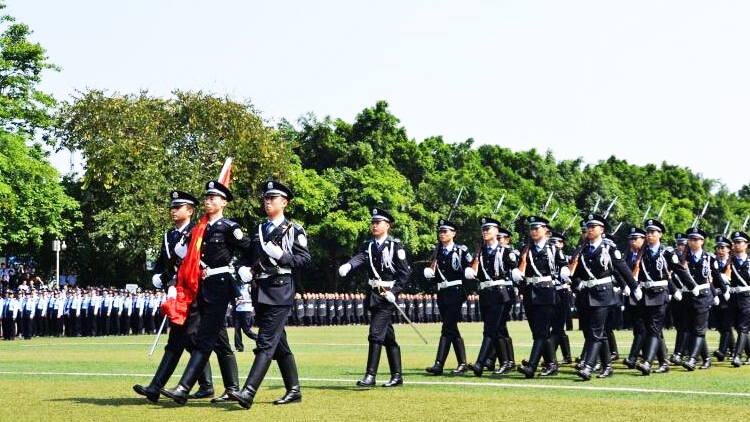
(452, 312)
(740, 310)
(214, 295)
(540, 320)
(653, 318)
(242, 322)
(492, 311)
(596, 323)
(381, 327)
(271, 334)
(562, 310)
(696, 319)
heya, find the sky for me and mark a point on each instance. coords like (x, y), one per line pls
(646, 81)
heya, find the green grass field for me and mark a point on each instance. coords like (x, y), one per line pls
(85, 379)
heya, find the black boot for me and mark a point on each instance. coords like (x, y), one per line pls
(501, 350)
(444, 347)
(661, 356)
(738, 348)
(606, 358)
(730, 343)
(258, 371)
(484, 350)
(288, 369)
(193, 370)
(205, 384)
(635, 348)
(537, 348)
(651, 344)
(565, 349)
(373, 359)
(696, 348)
(721, 353)
(591, 350)
(163, 372)
(393, 353)
(229, 376)
(489, 362)
(511, 353)
(612, 345)
(679, 341)
(550, 359)
(460, 349)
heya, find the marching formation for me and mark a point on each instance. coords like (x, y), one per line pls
(194, 266)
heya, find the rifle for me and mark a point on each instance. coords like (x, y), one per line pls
(572, 220)
(744, 223)
(698, 218)
(726, 229)
(257, 266)
(616, 229)
(554, 215)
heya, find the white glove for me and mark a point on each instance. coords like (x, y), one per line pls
(716, 300)
(724, 278)
(616, 289)
(678, 295)
(344, 269)
(622, 308)
(390, 297)
(156, 280)
(180, 249)
(273, 250)
(469, 273)
(638, 293)
(517, 275)
(565, 274)
(429, 273)
(172, 292)
(727, 295)
(626, 290)
(696, 291)
(245, 274)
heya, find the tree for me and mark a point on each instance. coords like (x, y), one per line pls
(138, 148)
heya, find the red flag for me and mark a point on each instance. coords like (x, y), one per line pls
(189, 273)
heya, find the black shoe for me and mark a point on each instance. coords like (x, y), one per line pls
(606, 372)
(151, 393)
(527, 371)
(736, 362)
(202, 393)
(460, 369)
(706, 364)
(614, 356)
(504, 368)
(719, 356)
(662, 369)
(644, 367)
(676, 359)
(579, 365)
(567, 360)
(549, 370)
(244, 397)
(476, 368)
(367, 381)
(179, 394)
(293, 395)
(224, 398)
(435, 369)
(629, 362)
(395, 381)
(689, 364)
(585, 372)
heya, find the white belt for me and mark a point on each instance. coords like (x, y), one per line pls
(703, 286)
(446, 284)
(598, 282)
(650, 284)
(208, 272)
(277, 271)
(740, 289)
(563, 287)
(380, 283)
(491, 283)
(534, 280)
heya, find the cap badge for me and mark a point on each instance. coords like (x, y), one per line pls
(174, 195)
(210, 185)
(270, 185)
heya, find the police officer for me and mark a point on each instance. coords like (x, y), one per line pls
(702, 276)
(636, 238)
(450, 261)
(739, 300)
(491, 267)
(221, 239)
(653, 289)
(594, 278)
(388, 273)
(181, 337)
(559, 336)
(678, 309)
(542, 262)
(278, 251)
(725, 322)
(243, 317)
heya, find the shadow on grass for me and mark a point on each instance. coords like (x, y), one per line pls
(139, 401)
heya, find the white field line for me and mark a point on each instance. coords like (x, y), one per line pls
(436, 383)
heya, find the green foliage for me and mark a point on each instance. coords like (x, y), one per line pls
(138, 148)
